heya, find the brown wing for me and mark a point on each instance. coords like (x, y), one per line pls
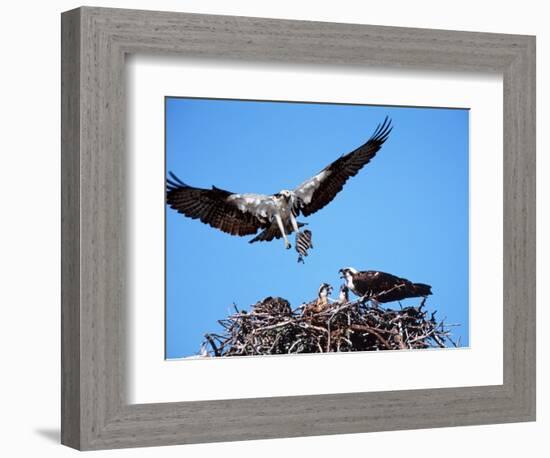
(319, 190)
(386, 287)
(374, 282)
(211, 206)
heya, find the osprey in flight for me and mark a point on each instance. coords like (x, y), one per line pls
(382, 287)
(275, 215)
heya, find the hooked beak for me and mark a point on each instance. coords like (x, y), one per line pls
(341, 272)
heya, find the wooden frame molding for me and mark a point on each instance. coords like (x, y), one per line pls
(95, 413)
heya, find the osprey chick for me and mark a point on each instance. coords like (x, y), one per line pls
(275, 215)
(322, 301)
(382, 287)
(343, 298)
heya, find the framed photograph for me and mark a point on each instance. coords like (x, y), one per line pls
(279, 228)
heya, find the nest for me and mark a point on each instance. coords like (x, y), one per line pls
(272, 327)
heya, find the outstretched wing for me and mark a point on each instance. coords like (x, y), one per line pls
(236, 214)
(319, 190)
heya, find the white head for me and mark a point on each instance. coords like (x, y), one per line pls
(285, 194)
(325, 290)
(347, 274)
(347, 271)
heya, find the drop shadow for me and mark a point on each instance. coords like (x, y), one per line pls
(53, 435)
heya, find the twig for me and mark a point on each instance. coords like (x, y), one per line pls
(271, 326)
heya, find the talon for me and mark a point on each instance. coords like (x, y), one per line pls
(288, 246)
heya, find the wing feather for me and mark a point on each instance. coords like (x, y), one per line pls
(216, 207)
(319, 190)
(386, 287)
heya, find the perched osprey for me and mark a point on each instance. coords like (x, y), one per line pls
(275, 215)
(382, 287)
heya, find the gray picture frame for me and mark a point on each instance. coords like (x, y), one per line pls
(95, 411)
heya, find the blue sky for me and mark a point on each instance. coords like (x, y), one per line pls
(405, 213)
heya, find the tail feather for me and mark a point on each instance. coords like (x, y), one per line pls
(422, 289)
(273, 232)
(265, 236)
